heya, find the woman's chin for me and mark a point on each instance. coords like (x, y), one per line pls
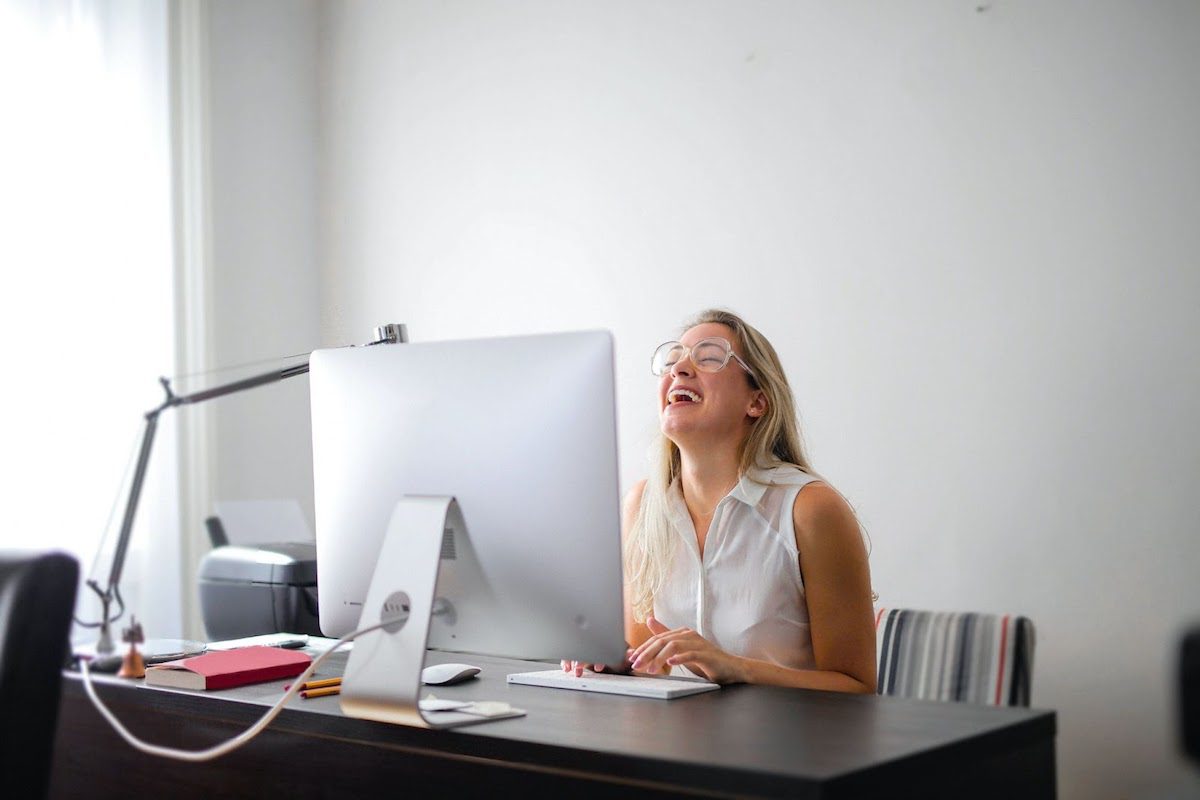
(677, 429)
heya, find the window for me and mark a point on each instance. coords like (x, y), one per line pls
(87, 306)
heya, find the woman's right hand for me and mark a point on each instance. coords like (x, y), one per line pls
(577, 667)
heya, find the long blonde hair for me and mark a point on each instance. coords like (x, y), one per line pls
(774, 440)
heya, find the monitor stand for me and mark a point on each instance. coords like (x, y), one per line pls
(383, 673)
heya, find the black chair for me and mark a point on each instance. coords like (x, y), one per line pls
(37, 599)
(1189, 694)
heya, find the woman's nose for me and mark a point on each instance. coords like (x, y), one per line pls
(683, 366)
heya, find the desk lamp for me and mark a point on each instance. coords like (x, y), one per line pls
(385, 334)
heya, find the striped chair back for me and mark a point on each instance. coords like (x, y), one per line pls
(972, 658)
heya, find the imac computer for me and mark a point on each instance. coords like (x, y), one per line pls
(466, 493)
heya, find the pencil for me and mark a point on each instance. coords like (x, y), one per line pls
(321, 692)
(321, 684)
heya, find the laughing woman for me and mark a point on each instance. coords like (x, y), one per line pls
(742, 565)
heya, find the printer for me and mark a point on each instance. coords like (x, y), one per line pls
(265, 588)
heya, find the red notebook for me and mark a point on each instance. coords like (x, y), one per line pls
(224, 669)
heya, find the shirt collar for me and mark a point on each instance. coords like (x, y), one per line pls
(749, 488)
(752, 485)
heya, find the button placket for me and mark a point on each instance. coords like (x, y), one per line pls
(713, 536)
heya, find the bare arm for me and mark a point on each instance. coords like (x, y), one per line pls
(837, 584)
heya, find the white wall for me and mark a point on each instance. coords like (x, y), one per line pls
(970, 229)
(263, 83)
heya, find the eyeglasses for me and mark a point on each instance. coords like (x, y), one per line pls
(709, 355)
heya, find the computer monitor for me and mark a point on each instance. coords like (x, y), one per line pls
(522, 432)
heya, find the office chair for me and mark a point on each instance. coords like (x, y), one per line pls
(37, 599)
(1189, 694)
(963, 657)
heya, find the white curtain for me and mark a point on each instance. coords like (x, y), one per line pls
(86, 310)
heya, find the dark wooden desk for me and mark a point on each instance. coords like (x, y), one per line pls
(742, 740)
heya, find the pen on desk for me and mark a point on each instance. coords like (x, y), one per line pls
(321, 684)
(290, 644)
(321, 692)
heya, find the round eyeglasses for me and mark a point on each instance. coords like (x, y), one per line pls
(709, 355)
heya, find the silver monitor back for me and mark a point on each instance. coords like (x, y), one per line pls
(522, 431)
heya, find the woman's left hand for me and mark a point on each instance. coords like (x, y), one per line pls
(668, 647)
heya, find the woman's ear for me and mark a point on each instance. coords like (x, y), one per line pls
(758, 405)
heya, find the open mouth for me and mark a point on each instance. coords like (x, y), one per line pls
(676, 396)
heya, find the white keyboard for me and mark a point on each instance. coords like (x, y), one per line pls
(631, 685)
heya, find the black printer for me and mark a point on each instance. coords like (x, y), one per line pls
(267, 588)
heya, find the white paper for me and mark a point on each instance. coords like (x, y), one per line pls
(314, 645)
(252, 522)
(268, 639)
(479, 708)
(431, 703)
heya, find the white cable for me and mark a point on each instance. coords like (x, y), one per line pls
(232, 744)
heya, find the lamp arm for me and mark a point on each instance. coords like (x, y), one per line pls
(385, 334)
(143, 460)
(135, 494)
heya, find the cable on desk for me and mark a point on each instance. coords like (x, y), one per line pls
(234, 743)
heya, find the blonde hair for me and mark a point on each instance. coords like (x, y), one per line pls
(774, 440)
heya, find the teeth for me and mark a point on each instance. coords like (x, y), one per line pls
(688, 393)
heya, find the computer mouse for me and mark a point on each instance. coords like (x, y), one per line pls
(446, 674)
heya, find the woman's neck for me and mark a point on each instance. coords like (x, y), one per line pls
(707, 477)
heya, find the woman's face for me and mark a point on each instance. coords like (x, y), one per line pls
(708, 407)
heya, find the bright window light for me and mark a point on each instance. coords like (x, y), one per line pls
(87, 308)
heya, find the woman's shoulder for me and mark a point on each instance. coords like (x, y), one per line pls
(781, 475)
(821, 510)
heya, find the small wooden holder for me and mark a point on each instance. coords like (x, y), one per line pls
(133, 665)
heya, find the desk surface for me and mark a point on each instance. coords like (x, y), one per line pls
(744, 740)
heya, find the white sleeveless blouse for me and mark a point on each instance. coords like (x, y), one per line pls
(746, 595)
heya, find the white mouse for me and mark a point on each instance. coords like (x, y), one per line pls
(446, 674)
